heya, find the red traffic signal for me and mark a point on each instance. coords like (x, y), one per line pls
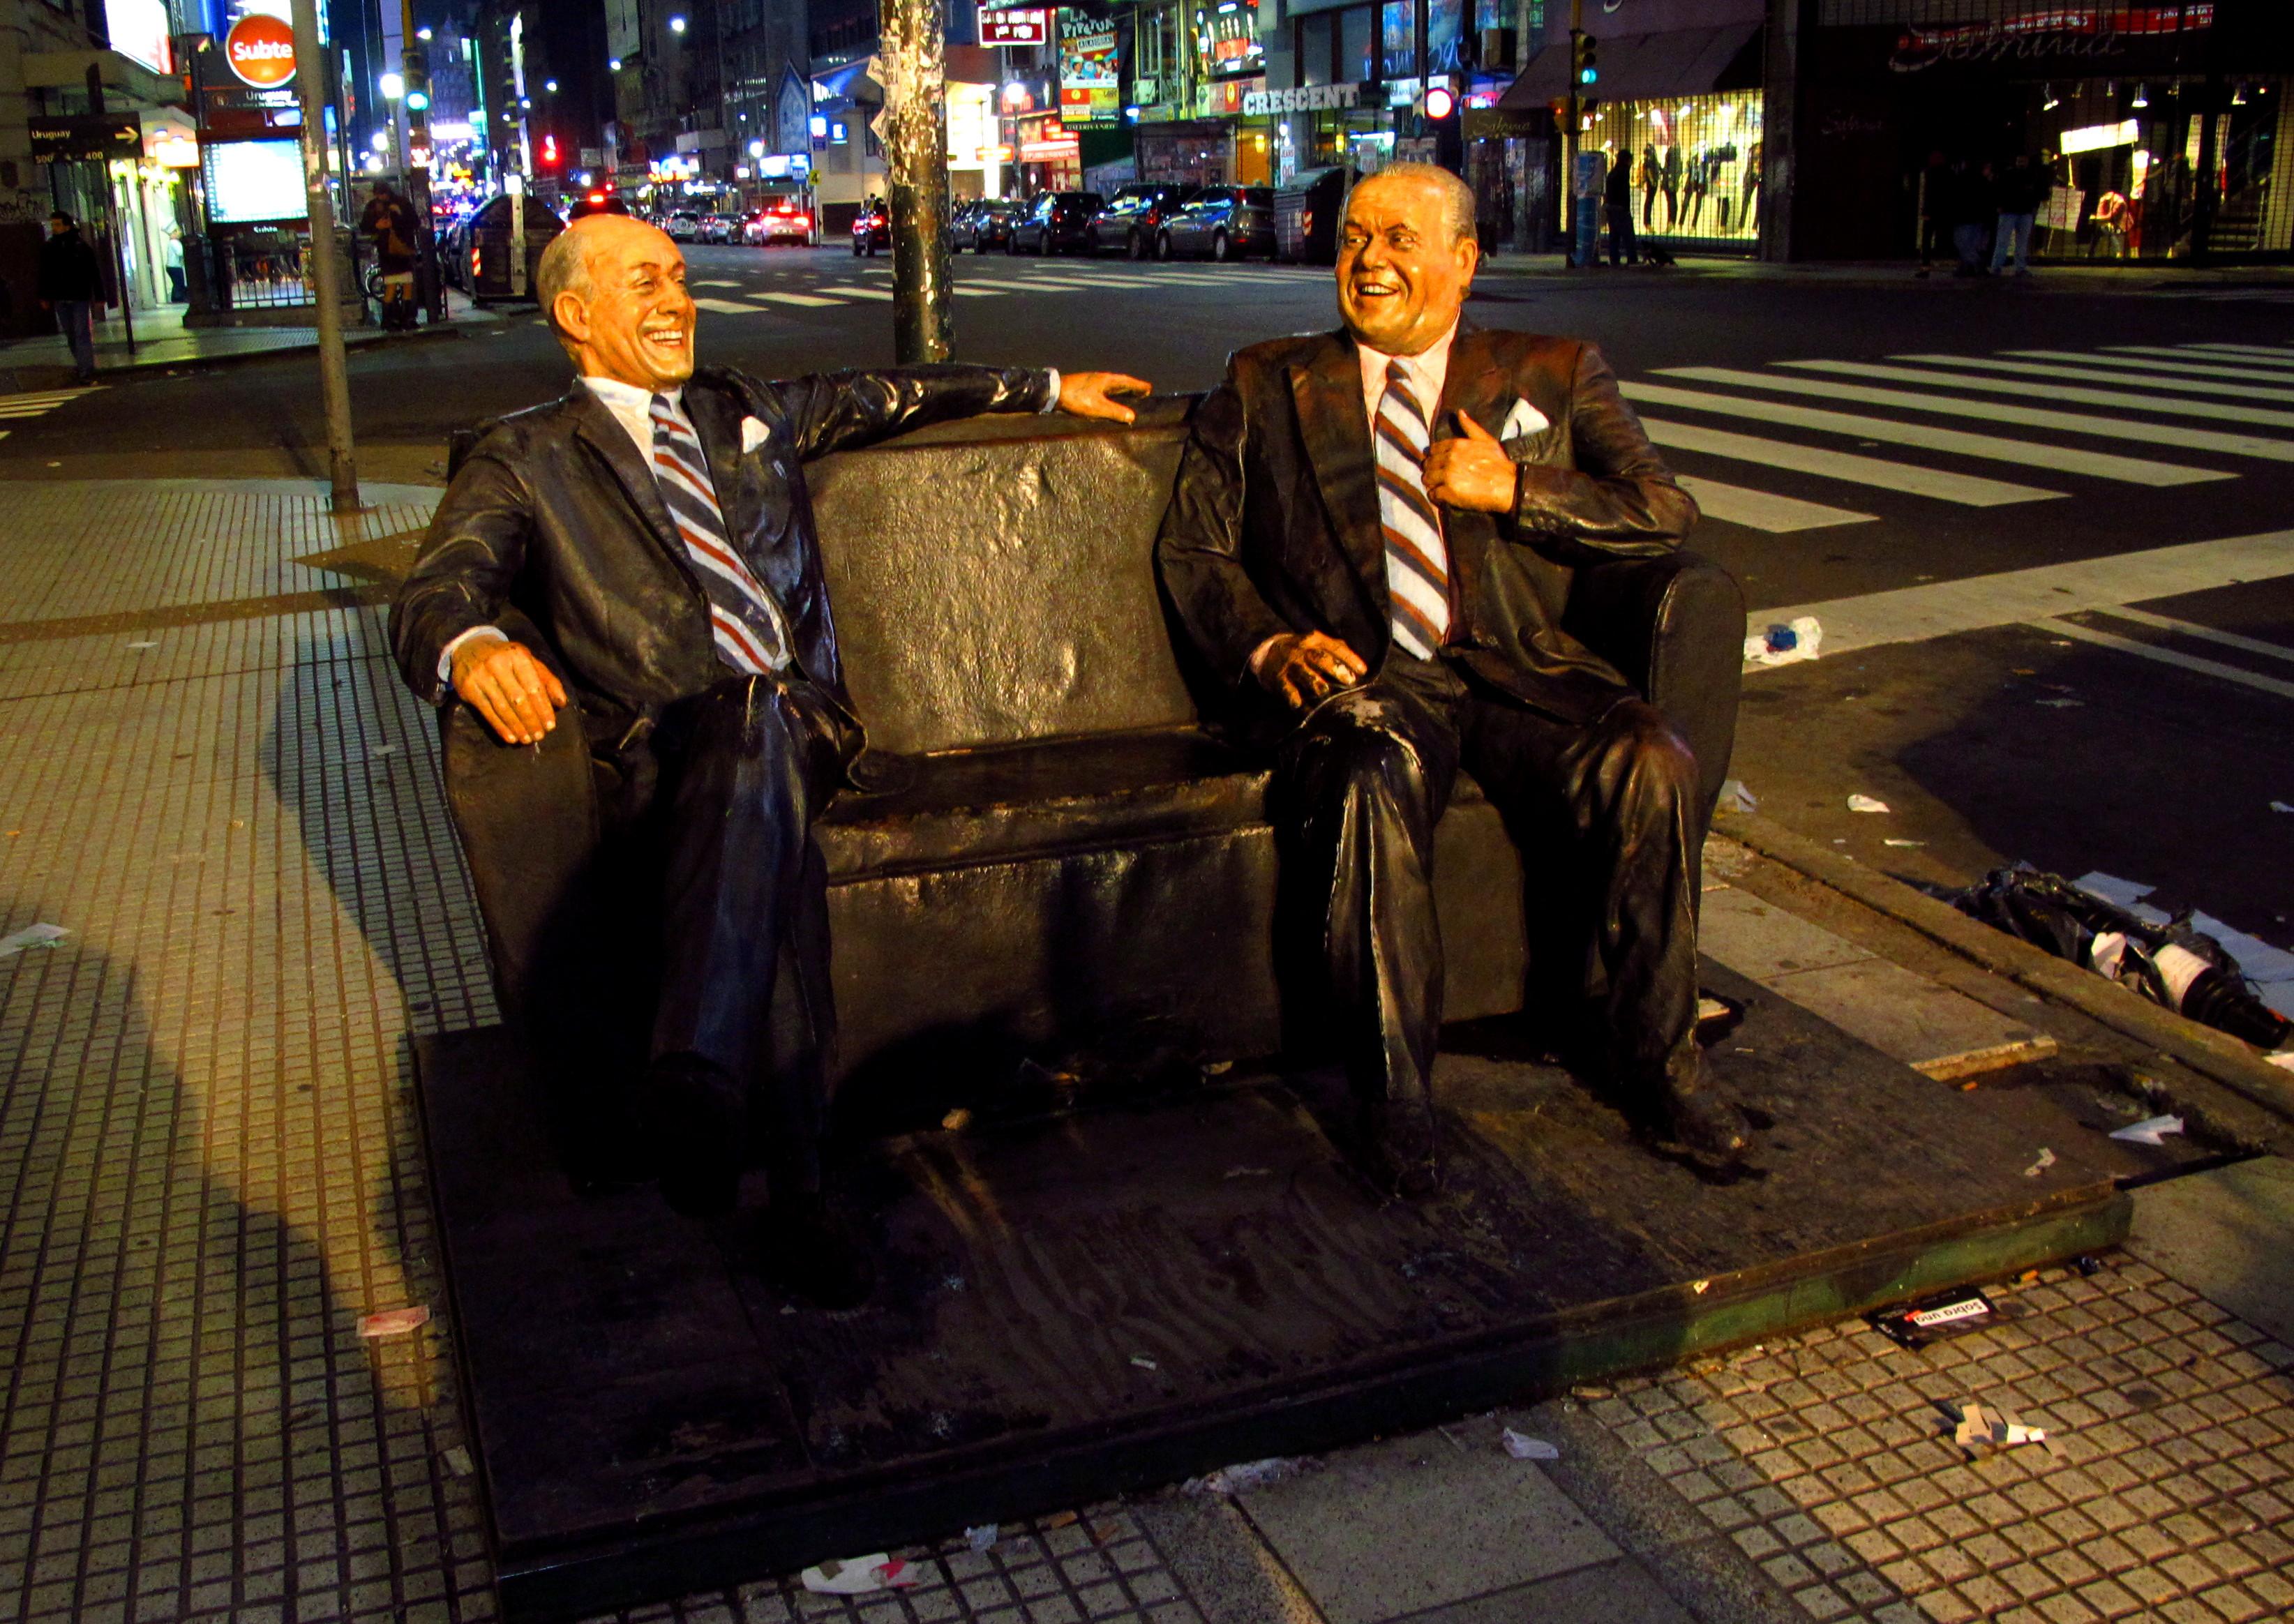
(1441, 101)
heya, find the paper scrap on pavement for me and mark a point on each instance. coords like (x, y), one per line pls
(1736, 798)
(2149, 1130)
(2047, 1159)
(393, 1323)
(1246, 1475)
(1865, 803)
(1522, 1447)
(1143, 1362)
(2280, 805)
(1903, 842)
(861, 1576)
(32, 935)
(984, 1537)
(1981, 1426)
(458, 1461)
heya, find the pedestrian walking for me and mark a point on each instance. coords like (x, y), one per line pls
(1973, 216)
(71, 285)
(389, 224)
(171, 259)
(2021, 189)
(1623, 249)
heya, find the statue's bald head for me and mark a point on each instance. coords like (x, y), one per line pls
(614, 289)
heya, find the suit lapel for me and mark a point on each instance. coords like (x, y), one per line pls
(717, 421)
(1474, 385)
(1335, 426)
(606, 436)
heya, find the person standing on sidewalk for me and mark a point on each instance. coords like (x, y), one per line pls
(71, 285)
(1623, 249)
(2021, 189)
(1975, 208)
(388, 224)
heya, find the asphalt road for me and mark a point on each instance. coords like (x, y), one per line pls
(1833, 466)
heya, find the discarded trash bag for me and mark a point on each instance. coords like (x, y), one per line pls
(2173, 965)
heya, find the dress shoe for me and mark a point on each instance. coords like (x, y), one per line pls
(1687, 1109)
(813, 1252)
(697, 1115)
(1398, 1148)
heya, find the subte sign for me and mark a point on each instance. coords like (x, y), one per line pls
(261, 51)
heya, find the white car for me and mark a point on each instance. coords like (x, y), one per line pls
(780, 220)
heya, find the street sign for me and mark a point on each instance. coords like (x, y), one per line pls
(96, 137)
(261, 50)
(1015, 28)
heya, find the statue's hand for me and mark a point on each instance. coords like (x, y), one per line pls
(1091, 394)
(1303, 669)
(1474, 473)
(515, 693)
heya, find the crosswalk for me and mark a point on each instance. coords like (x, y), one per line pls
(872, 284)
(37, 403)
(2156, 416)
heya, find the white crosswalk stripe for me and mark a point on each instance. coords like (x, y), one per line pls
(37, 403)
(2217, 410)
(1968, 490)
(2246, 366)
(2278, 354)
(1764, 509)
(2164, 655)
(2117, 380)
(1995, 411)
(2102, 359)
(1992, 448)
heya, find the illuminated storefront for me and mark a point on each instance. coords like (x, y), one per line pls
(1697, 164)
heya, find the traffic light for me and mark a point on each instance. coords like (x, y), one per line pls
(550, 152)
(417, 62)
(1589, 71)
(1441, 101)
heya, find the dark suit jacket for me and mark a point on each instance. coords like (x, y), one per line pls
(1274, 526)
(555, 514)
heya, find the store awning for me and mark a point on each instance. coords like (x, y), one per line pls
(1649, 67)
(67, 70)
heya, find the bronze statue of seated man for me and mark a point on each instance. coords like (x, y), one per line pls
(654, 525)
(1369, 542)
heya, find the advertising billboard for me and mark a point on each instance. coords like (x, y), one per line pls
(1091, 71)
(254, 182)
(138, 28)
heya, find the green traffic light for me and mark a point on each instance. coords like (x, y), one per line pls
(417, 100)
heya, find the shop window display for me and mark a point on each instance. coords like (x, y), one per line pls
(1697, 163)
(2128, 164)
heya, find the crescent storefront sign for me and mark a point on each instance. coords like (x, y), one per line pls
(260, 49)
(1304, 99)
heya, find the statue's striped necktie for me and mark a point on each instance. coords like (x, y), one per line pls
(743, 617)
(1417, 562)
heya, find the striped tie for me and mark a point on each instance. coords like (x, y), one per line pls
(1417, 562)
(742, 615)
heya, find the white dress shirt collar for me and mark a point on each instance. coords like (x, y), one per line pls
(632, 406)
(1428, 370)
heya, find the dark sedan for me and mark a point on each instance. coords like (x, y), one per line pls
(872, 229)
(1133, 215)
(985, 224)
(1223, 222)
(1058, 221)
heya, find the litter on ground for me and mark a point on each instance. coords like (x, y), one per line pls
(1522, 1447)
(2149, 1130)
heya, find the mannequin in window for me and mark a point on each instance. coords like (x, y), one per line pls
(1672, 177)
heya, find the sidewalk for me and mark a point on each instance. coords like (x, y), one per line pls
(211, 779)
(162, 341)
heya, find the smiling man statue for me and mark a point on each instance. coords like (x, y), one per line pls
(655, 526)
(1365, 541)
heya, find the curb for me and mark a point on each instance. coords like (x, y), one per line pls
(2215, 1055)
(38, 374)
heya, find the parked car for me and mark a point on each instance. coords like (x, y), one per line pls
(1222, 222)
(871, 229)
(596, 203)
(1058, 222)
(716, 228)
(782, 219)
(985, 224)
(683, 227)
(1134, 214)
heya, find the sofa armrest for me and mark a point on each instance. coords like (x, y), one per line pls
(526, 815)
(1675, 626)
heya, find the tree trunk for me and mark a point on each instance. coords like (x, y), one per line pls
(912, 66)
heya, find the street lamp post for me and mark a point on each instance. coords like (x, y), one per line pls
(912, 58)
(326, 278)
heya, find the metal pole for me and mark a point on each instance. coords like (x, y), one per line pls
(912, 58)
(429, 286)
(326, 278)
(1569, 138)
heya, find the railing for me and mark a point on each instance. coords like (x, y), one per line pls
(262, 269)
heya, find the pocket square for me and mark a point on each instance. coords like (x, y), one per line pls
(753, 433)
(1522, 420)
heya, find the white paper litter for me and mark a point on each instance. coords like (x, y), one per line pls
(1143, 1362)
(1522, 1447)
(2280, 805)
(1808, 633)
(1246, 1475)
(984, 1537)
(1865, 803)
(2061, 704)
(2047, 1159)
(142, 646)
(31, 936)
(1736, 798)
(2149, 1130)
(861, 1576)
(1982, 1425)
(458, 1461)
(1895, 843)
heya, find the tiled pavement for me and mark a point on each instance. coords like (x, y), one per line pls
(211, 1172)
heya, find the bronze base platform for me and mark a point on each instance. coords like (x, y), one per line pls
(1112, 1298)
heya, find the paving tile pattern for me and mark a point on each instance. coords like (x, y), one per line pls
(209, 1165)
(1826, 1460)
